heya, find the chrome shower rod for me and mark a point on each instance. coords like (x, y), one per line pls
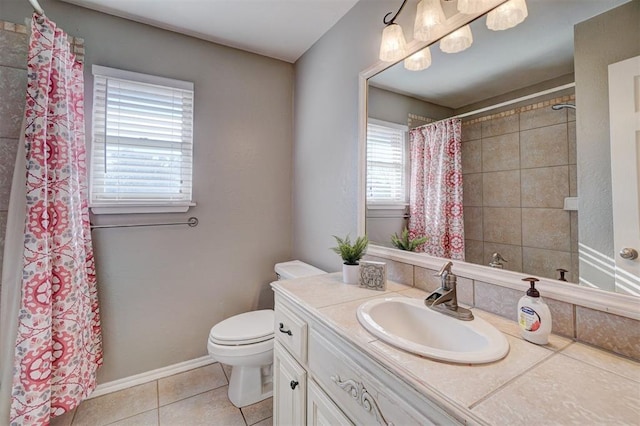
(36, 7)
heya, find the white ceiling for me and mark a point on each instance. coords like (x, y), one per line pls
(281, 29)
(539, 49)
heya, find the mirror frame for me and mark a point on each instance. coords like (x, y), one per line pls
(614, 303)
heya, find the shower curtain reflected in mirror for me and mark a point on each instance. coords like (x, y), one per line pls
(57, 347)
(435, 197)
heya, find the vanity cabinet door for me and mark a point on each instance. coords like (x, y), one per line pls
(321, 411)
(289, 389)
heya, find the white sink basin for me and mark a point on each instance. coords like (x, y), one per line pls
(408, 324)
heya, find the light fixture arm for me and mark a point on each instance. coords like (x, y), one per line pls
(390, 21)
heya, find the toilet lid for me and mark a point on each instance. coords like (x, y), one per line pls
(250, 327)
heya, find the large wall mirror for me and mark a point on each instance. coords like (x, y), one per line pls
(536, 163)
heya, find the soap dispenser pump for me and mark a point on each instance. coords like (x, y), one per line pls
(534, 316)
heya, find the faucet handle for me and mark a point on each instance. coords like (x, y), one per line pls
(447, 277)
(446, 269)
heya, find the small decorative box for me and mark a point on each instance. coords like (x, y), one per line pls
(373, 275)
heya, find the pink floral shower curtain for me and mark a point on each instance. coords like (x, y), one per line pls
(58, 345)
(435, 198)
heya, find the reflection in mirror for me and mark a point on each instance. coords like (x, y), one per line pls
(513, 92)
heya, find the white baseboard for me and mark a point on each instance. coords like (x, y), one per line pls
(149, 376)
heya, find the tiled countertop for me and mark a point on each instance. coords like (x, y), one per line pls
(563, 382)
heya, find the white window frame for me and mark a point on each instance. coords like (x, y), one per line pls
(115, 206)
(390, 205)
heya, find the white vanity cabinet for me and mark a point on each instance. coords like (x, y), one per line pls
(343, 386)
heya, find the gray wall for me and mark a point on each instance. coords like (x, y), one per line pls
(394, 107)
(161, 289)
(600, 41)
(325, 158)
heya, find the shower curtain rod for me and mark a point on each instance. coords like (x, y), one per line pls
(192, 222)
(36, 7)
(514, 101)
(505, 103)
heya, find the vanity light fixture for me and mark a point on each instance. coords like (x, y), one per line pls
(393, 46)
(457, 41)
(428, 16)
(507, 15)
(421, 60)
(472, 6)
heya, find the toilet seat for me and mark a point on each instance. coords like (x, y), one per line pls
(222, 352)
(244, 329)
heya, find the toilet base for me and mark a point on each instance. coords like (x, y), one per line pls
(250, 384)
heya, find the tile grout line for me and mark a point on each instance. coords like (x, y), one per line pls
(157, 408)
(190, 396)
(158, 401)
(13, 67)
(260, 420)
(597, 366)
(575, 319)
(520, 178)
(75, 411)
(129, 417)
(243, 417)
(513, 379)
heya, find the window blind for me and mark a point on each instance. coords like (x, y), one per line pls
(142, 146)
(386, 164)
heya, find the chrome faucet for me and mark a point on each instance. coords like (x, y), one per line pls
(496, 260)
(445, 299)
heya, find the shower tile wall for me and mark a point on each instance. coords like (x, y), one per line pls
(13, 81)
(518, 168)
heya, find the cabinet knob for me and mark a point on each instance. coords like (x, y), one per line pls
(629, 253)
(293, 384)
(282, 330)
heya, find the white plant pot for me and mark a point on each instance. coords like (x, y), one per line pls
(350, 274)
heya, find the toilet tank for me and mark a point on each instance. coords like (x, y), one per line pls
(296, 269)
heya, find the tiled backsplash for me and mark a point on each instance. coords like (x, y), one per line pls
(607, 331)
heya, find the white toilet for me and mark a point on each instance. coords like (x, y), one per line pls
(245, 342)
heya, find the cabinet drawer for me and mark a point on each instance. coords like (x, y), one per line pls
(291, 332)
(362, 397)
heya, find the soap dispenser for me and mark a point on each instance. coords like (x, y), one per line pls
(534, 316)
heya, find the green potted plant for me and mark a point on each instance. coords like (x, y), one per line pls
(404, 242)
(351, 255)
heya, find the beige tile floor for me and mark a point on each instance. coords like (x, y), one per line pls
(196, 397)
